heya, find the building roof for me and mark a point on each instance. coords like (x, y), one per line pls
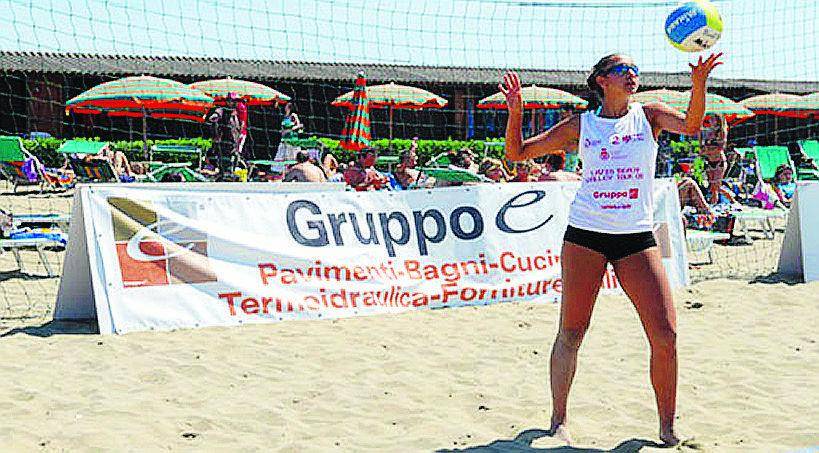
(200, 67)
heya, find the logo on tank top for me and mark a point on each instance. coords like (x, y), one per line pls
(631, 194)
(588, 143)
(604, 154)
(618, 139)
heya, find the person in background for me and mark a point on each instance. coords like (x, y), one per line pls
(329, 164)
(221, 120)
(405, 173)
(290, 128)
(691, 195)
(465, 159)
(361, 174)
(714, 139)
(304, 170)
(209, 169)
(494, 170)
(119, 162)
(526, 171)
(238, 124)
(552, 169)
(783, 184)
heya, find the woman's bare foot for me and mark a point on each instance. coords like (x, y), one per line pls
(560, 431)
(669, 437)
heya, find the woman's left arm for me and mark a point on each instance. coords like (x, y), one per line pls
(662, 117)
(297, 123)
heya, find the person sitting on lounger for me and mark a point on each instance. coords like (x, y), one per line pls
(552, 169)
(783, 184)
(119, 162)
(406, 174)
(304, 170)
(494, 170)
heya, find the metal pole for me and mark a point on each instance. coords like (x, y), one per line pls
(145, 153)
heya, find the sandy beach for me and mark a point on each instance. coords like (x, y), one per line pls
(468, 379)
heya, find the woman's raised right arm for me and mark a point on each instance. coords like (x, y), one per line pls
(562, 136)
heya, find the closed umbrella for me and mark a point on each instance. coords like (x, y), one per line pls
(393, 97)
(141, 97)
(356, 133)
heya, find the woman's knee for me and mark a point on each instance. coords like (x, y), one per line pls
(663, 335)
(571, 337)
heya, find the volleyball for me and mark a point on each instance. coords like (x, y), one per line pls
(694, 26)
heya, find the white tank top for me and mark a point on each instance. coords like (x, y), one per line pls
(619, 155)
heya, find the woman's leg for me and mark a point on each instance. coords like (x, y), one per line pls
(121, 164)
(691, 195)
(582, 272)
(644, 280)
(715, 174)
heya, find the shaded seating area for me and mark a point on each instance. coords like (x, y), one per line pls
(94, 170)
(21, 168)
(88, 170)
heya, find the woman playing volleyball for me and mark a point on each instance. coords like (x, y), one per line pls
(610, 219)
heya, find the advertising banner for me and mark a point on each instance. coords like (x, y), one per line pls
(156, 257)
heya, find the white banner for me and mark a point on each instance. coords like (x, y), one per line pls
(158, 257)
(799, 255)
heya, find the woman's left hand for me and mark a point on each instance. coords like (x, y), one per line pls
(700, 71)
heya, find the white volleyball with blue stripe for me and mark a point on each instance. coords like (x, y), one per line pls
(694, 26)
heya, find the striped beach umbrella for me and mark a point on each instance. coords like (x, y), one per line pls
(392, 96)
(714, 103)
(781, 104)
(356, 132)
(142, 97)
(253, 93)
(535, 97)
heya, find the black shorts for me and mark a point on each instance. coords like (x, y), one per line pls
(612, 246)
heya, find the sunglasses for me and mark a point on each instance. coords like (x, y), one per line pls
(623, 69)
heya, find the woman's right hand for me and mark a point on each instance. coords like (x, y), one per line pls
(510, 87)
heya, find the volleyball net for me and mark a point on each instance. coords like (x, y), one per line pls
(309, 51)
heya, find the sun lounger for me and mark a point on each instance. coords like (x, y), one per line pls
(702, 242)
(764, 217)
(26, 220)
(164, 169)
(179, 149)
(81, 147)
(809, 148)
(96, 170)
(13, 159)
(454, 174)
(38, 244)
(768, 158)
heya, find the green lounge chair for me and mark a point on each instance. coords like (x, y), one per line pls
(768, 158)
(440, 161)
(178, 150)
(188, 175)
(809, 148)
(453, 174)
(12, 158)
(97, 170)
(81, 147)
(387, 161)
